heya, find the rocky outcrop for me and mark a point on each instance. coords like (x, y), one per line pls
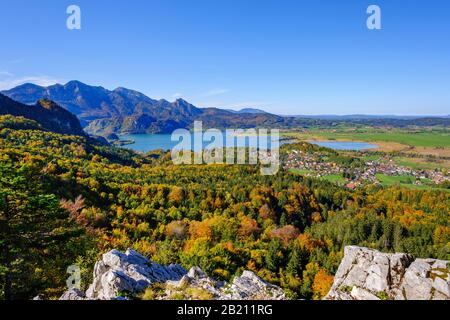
(73, 294)
(366, 274)
(248, 286)
(129, 274)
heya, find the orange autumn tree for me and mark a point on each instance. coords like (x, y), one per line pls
(322, 284)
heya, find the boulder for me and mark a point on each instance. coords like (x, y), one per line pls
(427, 279)
(127, 274)
(196, 278)
(366, 274)
(248, 286)
(73, 294)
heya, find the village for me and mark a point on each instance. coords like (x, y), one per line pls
(318, 165)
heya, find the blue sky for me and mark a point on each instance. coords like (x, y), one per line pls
(286, 57)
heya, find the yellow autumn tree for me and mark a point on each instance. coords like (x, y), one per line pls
(322, 284)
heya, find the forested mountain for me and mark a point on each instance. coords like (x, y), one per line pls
(45, 112)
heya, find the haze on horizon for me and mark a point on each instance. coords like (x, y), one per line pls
(285, 57)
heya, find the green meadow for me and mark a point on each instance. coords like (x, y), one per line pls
(421, 163)
(334, 178)
(434, 139)
(405, 182)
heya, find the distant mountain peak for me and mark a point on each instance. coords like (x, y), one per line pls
(29, 85)
(182, 101)
(130, 92)
(75, 82)
(248, 111)
(123, 89)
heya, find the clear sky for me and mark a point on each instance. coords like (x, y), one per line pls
(286, 57)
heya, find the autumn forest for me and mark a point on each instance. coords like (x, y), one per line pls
(67, 199)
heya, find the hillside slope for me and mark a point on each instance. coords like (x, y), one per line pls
(47, 113)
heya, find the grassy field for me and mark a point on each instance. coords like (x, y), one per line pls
(334, 178)
(422, 163)
(405, 182)
(301, 172)
(416, 140)
(393, 180)
(370, 157)
(431, 139)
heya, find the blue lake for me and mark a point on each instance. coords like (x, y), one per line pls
(345, 145)
(149, 142)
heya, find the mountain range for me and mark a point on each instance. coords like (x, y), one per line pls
(103, 112)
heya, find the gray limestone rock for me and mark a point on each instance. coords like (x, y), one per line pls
(366, 274)
(118, 275)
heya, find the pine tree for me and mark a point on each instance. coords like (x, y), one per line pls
(296, 262)
(33, 229)
(274, 256)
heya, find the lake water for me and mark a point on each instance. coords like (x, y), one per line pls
(345, 145)
(149, 142)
